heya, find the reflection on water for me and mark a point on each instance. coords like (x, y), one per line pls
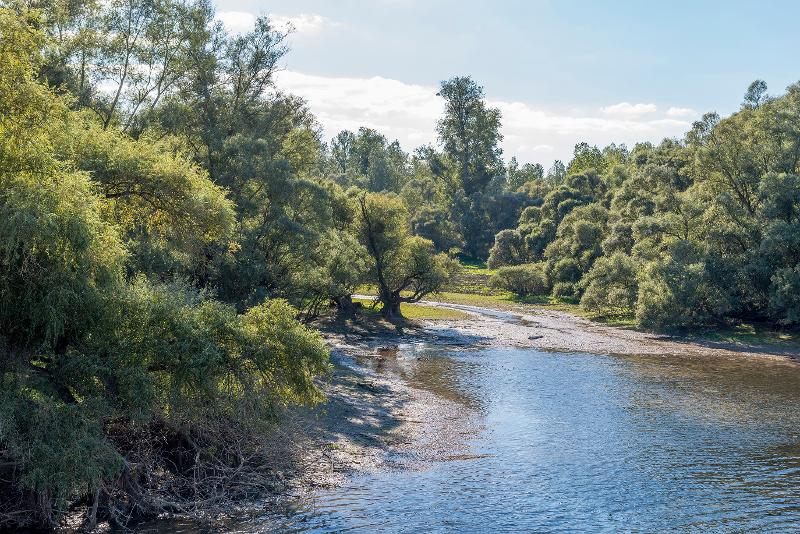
(588, 443)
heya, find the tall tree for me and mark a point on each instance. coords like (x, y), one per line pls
(470, 132)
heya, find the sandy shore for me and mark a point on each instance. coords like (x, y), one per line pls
(384, 409)
(552, 330)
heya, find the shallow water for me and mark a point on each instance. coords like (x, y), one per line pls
(575, 442)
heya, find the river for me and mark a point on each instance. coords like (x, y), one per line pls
(581, 442)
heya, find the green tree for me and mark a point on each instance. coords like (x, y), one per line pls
(93, 352)
(470, 133)
(611, 284)
(404, 267)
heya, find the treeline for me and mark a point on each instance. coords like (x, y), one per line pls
(690, 232)
(694, 232)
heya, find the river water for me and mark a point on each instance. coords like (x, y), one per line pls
(579, 442)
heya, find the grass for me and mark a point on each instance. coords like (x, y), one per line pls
(473, 278)
(417, 311)
(475, 267)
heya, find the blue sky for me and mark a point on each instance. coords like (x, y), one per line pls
(560, 71)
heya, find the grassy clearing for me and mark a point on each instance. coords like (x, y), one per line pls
(473, 278)
(417, 311)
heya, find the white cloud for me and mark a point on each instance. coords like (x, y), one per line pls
(626, 109)
(408, 112)
(681, 112)
(238, 22)
(304, 23)
(399, 110)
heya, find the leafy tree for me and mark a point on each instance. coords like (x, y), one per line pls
(518, 176)
(508, 249)
(470, 133)
(611, 284)
(577, 245)
(171, 213)
(93, 351)
(679, 291)
(405, 267)
(122, 57)
(367, 160)
(341, 150)
(785, 294)
(557, 173)
(586, 158)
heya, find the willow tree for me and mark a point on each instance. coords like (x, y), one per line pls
(93, 349)
(405, 267)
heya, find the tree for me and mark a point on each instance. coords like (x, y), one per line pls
(404, 267)
(123, 58)
(98, 350)
(679, 291)
(557, 172)
(576, 246)
(523, 280)
(611, 284)
(341, 150)
(470, 133)
(517, 175)
(756, 95)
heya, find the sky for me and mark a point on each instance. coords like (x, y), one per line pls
(560, 71)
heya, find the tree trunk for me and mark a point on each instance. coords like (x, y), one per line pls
(345, 306)
(391, 305)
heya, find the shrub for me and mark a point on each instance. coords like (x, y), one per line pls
(677, 292)
(508, 249)
(527, 279)
(611, 283)
(564, 290)
(785, 295)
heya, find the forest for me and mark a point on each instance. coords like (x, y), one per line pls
(171, 223)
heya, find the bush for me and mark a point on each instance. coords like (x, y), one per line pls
(565, 290)
(611, 283)
(785, 295)
(527, 279)
(508, 249)
(677, 292)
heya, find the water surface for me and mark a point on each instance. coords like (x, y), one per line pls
(578, 442)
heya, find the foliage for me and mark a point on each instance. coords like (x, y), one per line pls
(611, 283)
(682, 233)
(167, 215)
(95, 343)
(469, 132)
(400, 262)
(524, 280)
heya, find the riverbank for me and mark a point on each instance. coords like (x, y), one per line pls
(380, 415)
(390, 409)
(382, 412)
(550, 329)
